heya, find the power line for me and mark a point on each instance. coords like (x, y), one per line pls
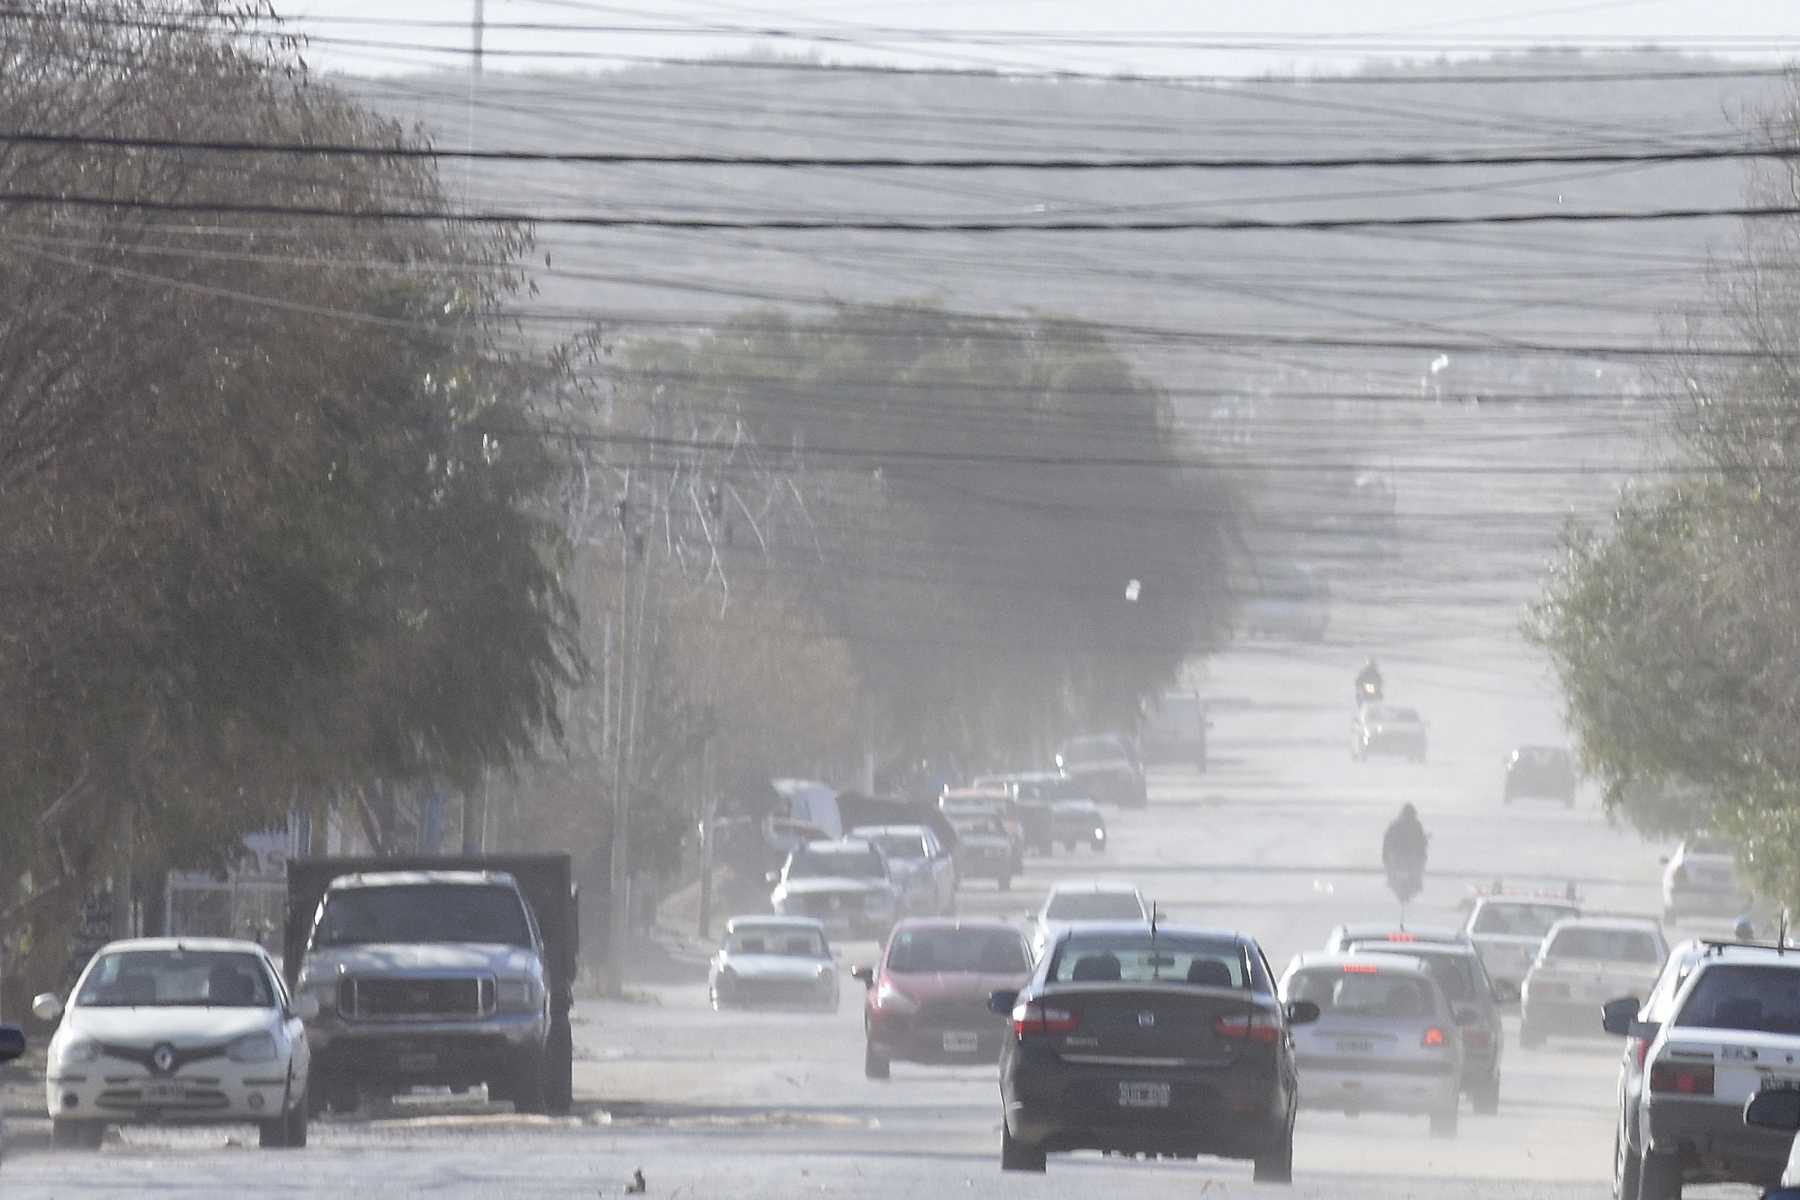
(1684, 154)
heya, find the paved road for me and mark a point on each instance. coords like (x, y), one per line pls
(1280, 838)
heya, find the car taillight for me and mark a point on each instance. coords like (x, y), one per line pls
(1360, 969)
(1249, 1027)
(1038, 1020)
(1434, 1038)
(1639, 1047)
(1682, 1079)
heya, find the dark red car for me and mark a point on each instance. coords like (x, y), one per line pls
(928, 999)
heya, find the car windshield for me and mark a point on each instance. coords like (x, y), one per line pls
(1520, 920)
(1360, 990)
(957, 951)
(423, 912)
(775, 939)
(1094, 906)
(845, 862)
(902, 846)
(1608, 945)
(1456, 975)
(1138, 958)
(177, 978)
(1710, 846)
(1751, 998)
(1093, 749)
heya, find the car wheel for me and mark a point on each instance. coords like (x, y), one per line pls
(286, 1132)
(1016, 1156)
(1443, 1122)
(1659, 1177)
(874, 1065)
(77, 1135)
(1277, 1166)
(1486, 1096)
(1625, 1169)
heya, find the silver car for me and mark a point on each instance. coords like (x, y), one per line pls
(773, 962)
(1386, 1039)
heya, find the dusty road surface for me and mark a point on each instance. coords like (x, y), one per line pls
(1280, 838)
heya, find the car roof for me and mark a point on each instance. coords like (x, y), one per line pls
(1387, 962)
(213, 944)
(873, 831)
(983, 924)
(1094, 886)
(1421, 949)
(1528, 898)
(1620, 923)
(1102, 928)
(364, 879)
(827, 845)
(768, 922)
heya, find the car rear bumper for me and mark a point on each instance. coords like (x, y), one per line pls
(1566, 1017)
(1714, 1143)
(1368, 1090)
(938, 1045)
(1222, 1114)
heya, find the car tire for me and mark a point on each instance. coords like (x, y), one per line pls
(1444, 1121)
(875, 1066)
(1625, 1169)
(527, 1085)
(77, 1135)
(1277, 1166)
(559, 1068)
(1017, 1156)
(1659, 1177)
(1486, 1096)
(286, 1132)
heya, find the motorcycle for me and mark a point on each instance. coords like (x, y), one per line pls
(1368, 691)
(1405, 879)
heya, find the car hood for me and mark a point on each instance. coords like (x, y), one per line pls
(773, 966)
(423, 959)
(985, 840)
(196, 1026)
(958, 985)
(831, 883)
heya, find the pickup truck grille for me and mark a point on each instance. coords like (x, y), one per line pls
(376, 999)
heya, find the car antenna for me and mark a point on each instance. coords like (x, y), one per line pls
(1153, 924)
(1781, 938)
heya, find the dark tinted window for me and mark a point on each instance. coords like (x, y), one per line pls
(1136, 958)
(427, 912)
(841, 862)
(1455, 974)
(957, 952)
(1363, 992)
(177, 978)
(1759, 999)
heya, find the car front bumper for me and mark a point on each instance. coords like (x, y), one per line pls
(445, 1053)
(212, 1092)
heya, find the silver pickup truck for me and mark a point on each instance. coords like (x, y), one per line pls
(436, 977)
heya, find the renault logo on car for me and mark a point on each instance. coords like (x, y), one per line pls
(163, 1058)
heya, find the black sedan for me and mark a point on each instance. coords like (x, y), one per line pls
(1166, 1042)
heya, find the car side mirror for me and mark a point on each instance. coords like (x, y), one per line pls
(864, 975)
(1775, 1108)
(47, 1007)
(1506, 991)
(1302, 1012)
(1001, 1003)
(306, 1006)
(1618, 1016)
(12, 1042)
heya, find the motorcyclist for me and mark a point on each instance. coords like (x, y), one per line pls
(1368, 681)
(1403, 846)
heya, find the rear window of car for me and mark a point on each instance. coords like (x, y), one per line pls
(1455, 974)
(1520, 920)
(1754, 999)
(1094, 906)
(1137, 958)
(903, 846)
(957, 952)
(1361, 991)
(1608, 945)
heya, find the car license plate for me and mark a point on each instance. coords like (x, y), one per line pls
(961, 1041)
(163, 1093)
(1355, 1046)
(418, 1060)
(1143, 1095)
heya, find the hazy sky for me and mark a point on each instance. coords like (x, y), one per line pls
(1219, 36)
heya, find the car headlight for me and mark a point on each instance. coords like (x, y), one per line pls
(825, 971)
(252, 1048)
(893, 999)
(77, 1050)
(516, 995)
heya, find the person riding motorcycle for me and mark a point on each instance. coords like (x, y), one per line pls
(1403, 846)
(1368, 682)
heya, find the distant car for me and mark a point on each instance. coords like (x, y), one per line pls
(844, 884)
(1287, 601)
(1035, 792)
(1078, 822)
(1731, 1031)
(1075, 903)
(1161, 1042)
(1175, 729)
(1509, 931)
(996, 802)
(1386, 1039)
(1474, 1003)
(984, 849)
(1387, 729)
(1540, 773)
(12, 1045)
(923, 870)
(928, 997)
(1356, 932)
(1701, 880)
(190, 1031)
(771, 962)
(1585, 962)
(1109, 766)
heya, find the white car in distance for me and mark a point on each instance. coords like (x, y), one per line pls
(773, 962)
(1078, 903)
(188, 1031)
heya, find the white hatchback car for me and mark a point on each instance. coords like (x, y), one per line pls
(191, 1031)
